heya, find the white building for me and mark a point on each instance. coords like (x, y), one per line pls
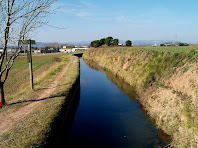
(64, 50)
(9, 51)
(67, 46)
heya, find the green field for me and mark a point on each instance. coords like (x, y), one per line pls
(19, 73)
(173, 49)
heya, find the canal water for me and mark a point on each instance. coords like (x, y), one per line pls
(108, 116)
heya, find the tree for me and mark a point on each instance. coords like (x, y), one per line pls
(108, 41)
(95, 43)
(183, 44)
(128, 43)
(18, 20)
(102, 41)
(162, 44)
(54, 45)
(115, 42)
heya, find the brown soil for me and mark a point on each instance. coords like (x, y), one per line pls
(8, 120)
(167, 106)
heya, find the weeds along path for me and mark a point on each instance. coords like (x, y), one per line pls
(8, 120)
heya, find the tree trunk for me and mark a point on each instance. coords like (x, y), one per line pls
(2, 96)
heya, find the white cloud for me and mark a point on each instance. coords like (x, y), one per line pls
(76, 12)
(83, 14)
(87, 4)
(79, 9)
(124, 19)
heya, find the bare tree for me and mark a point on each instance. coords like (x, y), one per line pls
(18, 20)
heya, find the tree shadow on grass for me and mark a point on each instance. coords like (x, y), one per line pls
(51, 97)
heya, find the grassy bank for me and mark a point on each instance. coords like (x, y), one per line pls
(166, 81)
(30, 131)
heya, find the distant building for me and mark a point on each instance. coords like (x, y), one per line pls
(85, 47)
(67, 46)
(120, 44)
(77, 46)
(45, 51)
(155, 45)
(75, 49)
(37, 51)
(64, 50)
(10, 51)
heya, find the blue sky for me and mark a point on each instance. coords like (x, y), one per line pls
(89, 20)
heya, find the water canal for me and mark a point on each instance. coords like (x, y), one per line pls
(108, 116)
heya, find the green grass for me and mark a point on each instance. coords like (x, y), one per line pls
(32, 129)
(19, 73)
(173, 49)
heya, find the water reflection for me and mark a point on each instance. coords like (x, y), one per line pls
(128, 90)
(108, 116)
(118, 81)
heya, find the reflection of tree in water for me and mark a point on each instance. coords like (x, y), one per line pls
(118, 81)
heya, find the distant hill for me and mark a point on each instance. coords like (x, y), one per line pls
(40, 44)
(82, 43)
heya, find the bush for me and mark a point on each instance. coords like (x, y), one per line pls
(183, 44)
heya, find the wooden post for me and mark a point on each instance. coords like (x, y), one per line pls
(29, 56)
(30, 64)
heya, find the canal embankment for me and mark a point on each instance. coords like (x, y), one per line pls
(166, 84)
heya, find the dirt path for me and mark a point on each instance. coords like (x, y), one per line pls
(10, 119)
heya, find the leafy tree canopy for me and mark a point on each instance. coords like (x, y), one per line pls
(128, 43)
(115, 41)
(95, 43)
(102, 41)
(108, 41)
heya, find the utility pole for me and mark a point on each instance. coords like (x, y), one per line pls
(29, 56)
(30, 63)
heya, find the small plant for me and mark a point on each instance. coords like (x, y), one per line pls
(57, 59)
(159, 84)
(169, 77)
(185, 68)
(165, 103)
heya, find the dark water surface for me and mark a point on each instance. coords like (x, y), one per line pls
(107, 115)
